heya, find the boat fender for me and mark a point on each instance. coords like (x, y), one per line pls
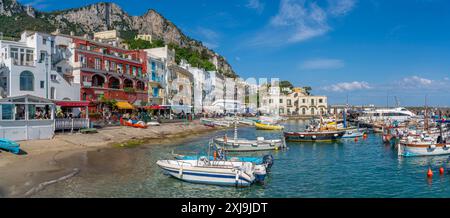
(314, 137)
(432, 146)
(237, 177)
(335, 135)
(302, 136)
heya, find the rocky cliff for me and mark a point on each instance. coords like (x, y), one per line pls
(99, 17)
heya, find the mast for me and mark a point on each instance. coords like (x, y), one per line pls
(345, 114)
(235, 111)
(426, 113)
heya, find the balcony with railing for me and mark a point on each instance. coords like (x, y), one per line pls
(106, 53)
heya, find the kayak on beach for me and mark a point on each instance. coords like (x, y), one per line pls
(9, 145)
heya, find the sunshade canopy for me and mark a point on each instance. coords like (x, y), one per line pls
(123, 105)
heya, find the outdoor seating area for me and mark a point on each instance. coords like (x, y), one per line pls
(26, 117)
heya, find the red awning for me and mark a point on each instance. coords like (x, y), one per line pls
(72, 103)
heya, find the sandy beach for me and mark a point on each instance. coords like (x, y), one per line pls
(49, 161)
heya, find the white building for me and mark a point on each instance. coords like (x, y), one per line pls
(297, 103)
(26, 69)
(159, 61)
(199, 79)
(215, 90)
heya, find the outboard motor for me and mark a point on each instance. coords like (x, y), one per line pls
(260, 173)
(268, 161)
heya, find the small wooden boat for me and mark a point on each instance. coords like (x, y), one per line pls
(353, 133)
(247, 122)
(246, 145)
(10, 146)
(133, 123)
(204, 171)
(266, 126)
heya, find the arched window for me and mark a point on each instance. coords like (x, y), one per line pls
(26, 81)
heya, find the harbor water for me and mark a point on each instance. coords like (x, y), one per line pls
(349, 168)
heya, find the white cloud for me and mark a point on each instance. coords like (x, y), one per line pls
(348, 86)
(307, 20)
(415, 81)
(322, 64)
(340, 7)
(301, 20)
(256, 5)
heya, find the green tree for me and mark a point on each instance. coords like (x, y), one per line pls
(307, 89)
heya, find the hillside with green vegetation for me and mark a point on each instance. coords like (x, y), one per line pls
(14, 25)
(16, 18)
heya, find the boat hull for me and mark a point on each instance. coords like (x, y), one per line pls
(353, 133)
(261, 126)
(314, 136)
(248, 145)
(411, 150)
(208, 175)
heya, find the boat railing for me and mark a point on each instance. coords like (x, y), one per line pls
(181, 163)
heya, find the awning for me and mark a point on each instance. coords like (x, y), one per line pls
(72, 103)
(124, 105)
(157, 107)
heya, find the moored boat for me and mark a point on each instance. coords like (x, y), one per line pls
(204, 171)
(353, 133)
(318, 136)
(266, 160)
(246, 145)
(423, 148)
(266, 126)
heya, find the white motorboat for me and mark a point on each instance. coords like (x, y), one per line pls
(424, 145)
(353, 133)
(204, 171)
(392, 114)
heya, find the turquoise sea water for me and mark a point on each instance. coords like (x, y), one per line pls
(366, 168)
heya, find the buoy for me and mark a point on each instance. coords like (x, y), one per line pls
(430, 173)
(215, 155)
(441, 170)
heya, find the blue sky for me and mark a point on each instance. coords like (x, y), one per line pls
(369, 50)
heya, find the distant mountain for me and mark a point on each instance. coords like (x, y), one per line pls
(15, 18)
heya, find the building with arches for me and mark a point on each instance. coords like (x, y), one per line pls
(104, 71)
(296, 103)
(26, 69)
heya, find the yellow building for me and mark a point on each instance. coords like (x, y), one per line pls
(145, 37)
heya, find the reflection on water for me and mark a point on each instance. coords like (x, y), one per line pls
(366, 168)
